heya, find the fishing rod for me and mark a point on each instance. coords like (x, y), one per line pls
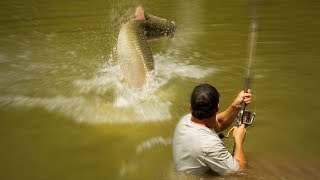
(245, 116)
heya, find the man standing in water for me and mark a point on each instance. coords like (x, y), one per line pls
(197, 148)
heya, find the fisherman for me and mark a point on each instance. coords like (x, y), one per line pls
(197, 148)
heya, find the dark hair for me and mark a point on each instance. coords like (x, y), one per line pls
(204, 101)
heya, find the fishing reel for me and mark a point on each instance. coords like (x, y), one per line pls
(245, 117)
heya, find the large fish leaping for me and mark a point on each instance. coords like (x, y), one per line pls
(134, 54)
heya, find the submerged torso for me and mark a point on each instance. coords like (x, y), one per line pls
(198, 150)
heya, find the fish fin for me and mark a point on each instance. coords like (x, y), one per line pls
(139, 13)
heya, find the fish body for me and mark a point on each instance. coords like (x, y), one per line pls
(133, 51)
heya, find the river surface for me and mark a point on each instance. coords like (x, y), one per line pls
(66, 113)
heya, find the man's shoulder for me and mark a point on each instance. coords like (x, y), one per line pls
(209, 140)
(202, 132)
(185, 118)
(184, 122)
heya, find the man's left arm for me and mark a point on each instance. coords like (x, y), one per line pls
(226, 118)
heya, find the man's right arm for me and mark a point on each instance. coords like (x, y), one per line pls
(239, 135)
(226, 118)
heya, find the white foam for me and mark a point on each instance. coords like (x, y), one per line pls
(146, 104)
(138, 158)
(105, 98)
(168, 67)
(76, 107)
(152, 142)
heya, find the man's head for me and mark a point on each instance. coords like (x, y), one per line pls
(204, 101)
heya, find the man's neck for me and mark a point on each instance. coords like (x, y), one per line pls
(208, 122)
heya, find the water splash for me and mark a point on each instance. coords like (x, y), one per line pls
(105, 97)
(149, 103)
(138, 158)
(152, 142)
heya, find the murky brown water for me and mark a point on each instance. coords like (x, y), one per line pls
(65, 113)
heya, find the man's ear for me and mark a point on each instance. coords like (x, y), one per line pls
(218, 107)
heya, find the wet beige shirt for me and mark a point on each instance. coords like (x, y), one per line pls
(198, 150)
